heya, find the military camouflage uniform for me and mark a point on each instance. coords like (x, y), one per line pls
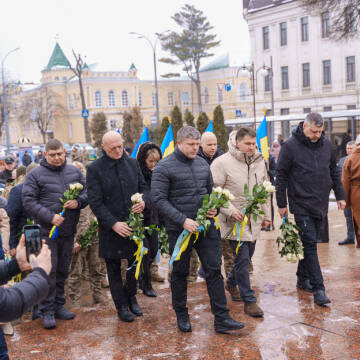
(90, 256)
(76, 156)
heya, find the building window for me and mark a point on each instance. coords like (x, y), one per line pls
(327, 108)
(124, 98)
(325, 24)
(56, 78)
(284, 77)
(350, 19)
(170, 98)
(153, 99)
(266, 39)
(69, 103)
(98, 99)
(111, 98)
(185, 98)
(284, 111)
(326, 72)
(64, 78)
(267, 83)
(113, 124)
(74, 99)
(140, 98)
(220, 96)
(283, 34)
(306, 74)
(70, 130)
(304, 28)
(350, 69)
(242, 91)
(206, 95)
(306, 110)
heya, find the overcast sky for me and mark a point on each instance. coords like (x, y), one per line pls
(100, 30)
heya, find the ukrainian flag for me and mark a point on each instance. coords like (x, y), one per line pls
(262, 140)
(143, 138)
(210, 127)
(168, 145)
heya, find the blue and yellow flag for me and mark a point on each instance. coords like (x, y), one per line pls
(262, 140)
(143, 138)
(210, 127)
(168, 144)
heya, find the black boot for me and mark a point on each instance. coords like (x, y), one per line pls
(134, 306)
(347, 241)
(320, 298)
(124, 314)
(149, 291)
(223, 326)
(304, 285)
(183, 322)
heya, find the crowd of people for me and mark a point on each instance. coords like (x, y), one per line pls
(93, 233)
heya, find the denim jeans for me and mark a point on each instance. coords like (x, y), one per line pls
(3, 347)
(349, 224)
(240, 273)
(309, 267)
(209, 250)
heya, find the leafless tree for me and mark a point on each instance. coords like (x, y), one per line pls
(344, 16)
(78, 71)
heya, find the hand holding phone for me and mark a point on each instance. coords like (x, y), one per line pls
(33, 241)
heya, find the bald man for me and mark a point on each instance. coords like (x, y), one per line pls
(209, 149)
(112, 180)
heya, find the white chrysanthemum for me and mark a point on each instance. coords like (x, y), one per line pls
(231, 197)
(136, 198)
(288, 257)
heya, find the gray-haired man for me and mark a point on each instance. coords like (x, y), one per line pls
(179, 183)
(306, 171)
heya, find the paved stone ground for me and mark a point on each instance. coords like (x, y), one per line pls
(292, 328)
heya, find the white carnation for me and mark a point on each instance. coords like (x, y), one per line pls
(136, 198)
(288, 257)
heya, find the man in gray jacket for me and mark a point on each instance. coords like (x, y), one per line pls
(42, 189)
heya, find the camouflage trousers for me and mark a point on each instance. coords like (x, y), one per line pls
(89, 256)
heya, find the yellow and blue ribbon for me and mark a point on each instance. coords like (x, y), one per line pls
(54, 232)
(238, 231)
(139, 254)
(182, 243)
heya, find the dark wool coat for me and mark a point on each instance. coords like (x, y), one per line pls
(307, 171)
(178, 186)
(43, 187)
(110, 185)
(207, 159)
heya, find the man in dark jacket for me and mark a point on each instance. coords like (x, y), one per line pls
(178, 185)
(43, 187)
(307, 171)
(112, 180)
(26, 159)
(7, 173)
(209, 149)
(16, 300)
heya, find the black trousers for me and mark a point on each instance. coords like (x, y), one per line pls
(61, 254)
(309, 267)
(209, 250)
(120, 292)
(151, 243)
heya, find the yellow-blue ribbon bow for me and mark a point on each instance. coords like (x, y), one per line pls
(238, 231)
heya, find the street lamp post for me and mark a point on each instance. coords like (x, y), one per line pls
(153, 47)
(6, 117)
(250, 69)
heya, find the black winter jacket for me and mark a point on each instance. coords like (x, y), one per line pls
(16, 300)
(17, 214)
(43, 187)
(178, 186)
(308, 172)
(210, 160)
(111, 183)
(26, 160)
(5, 175)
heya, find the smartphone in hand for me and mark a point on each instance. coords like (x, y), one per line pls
(33, 241)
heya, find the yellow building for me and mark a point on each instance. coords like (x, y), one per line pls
(57, 98)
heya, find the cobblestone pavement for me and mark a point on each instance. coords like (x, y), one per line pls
(292, 328)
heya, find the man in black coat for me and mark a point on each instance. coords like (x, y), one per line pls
(179, 183)
(26, 159)
(7, 173)
(42, 190)
(307, 171)
(112, 180)
(209, 149)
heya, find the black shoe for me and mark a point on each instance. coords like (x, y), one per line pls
(49, 321)
(304, 285)
(149, 291)
(183, 322)
(64, 314)
(201, 272)
(124, 314)
(134, 306)
(346, 242)
(224, 326)
(320, 298)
